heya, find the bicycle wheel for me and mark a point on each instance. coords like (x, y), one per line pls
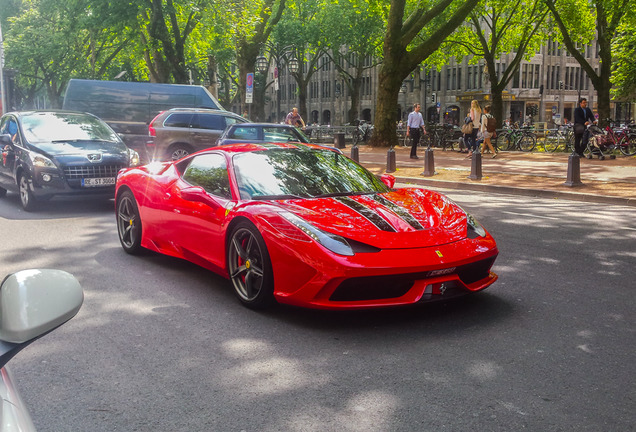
(356, 137)
(527, 142)
(502, 142)
(552, 141)
(425, 140)
(628, 145)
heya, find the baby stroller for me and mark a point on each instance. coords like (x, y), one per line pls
(600, 143)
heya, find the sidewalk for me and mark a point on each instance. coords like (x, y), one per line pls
(611, 181)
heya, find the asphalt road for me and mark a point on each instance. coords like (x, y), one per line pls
(162, 345)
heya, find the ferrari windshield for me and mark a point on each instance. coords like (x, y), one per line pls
(301, 173)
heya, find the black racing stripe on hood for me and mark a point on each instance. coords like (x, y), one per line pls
(400, 211)
(367, 213)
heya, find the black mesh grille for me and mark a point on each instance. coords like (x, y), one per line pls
(393, 286)
(91, 171)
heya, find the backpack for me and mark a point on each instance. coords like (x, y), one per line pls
(491, 124)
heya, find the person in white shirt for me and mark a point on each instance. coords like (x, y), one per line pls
(415, 128)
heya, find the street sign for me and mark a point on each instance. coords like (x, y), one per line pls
(276, 79)
(249, 88)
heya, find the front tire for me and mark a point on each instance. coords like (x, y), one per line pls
(27, 199)
(249, 267)
(128, 223)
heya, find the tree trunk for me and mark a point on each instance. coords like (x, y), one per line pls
(389, 83)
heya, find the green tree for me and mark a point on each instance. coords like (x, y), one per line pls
(415, 30)
(165, 26)
(253, 23)
(501, 27)
(577, 20)
(624, 67)
(353, 34)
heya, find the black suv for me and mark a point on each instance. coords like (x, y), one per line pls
(180, 131)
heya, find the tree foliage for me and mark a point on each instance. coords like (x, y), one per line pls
(495, 28)
(576, 21)
(415, 30)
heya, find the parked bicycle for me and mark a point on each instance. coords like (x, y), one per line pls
(523, 139)
(560, 138)
(361, 132)
(441, 136)
(605, 142)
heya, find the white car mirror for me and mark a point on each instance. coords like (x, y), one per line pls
(34, 302)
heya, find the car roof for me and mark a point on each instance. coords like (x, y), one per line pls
(265, 146)
(201, 110)
(282, 126)
(20, 114)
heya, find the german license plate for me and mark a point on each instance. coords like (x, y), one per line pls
(100, 181)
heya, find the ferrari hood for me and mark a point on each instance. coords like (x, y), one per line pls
(398, 219)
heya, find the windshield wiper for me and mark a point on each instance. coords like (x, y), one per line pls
(277, 197)
(339, 194)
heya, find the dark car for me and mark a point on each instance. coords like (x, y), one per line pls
(178, 132)
(47, 153)
(261, 132)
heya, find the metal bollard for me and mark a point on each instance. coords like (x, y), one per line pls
(429, 163)
(574, 171)
(390, 161)
(355, 153)
(475, 166)
(339, 140)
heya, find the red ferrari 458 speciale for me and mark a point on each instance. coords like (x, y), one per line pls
(304, 225)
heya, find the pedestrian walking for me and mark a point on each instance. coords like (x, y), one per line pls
(414, 128)
(583, 117)
(475, 117)
(488, 128)
(294, 119)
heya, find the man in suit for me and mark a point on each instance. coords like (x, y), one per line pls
(583, 117)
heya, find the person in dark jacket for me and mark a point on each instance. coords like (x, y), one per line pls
(583, 117)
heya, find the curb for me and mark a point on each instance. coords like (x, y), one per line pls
(509, 190)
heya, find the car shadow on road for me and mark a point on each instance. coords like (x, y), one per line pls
(472, 310)
(56, 207)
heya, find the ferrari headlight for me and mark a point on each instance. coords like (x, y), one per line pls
(41, 161)
(333, 242)
(474, 228)
(133, 158)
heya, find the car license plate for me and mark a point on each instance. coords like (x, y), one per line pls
(100, 181)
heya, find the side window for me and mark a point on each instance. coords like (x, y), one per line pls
(208, 121)
(244, 132)
(231, 120)
(210, 172)
(180, 120)
(10, 126)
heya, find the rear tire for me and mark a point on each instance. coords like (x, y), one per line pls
(178, 151)
(128, 223)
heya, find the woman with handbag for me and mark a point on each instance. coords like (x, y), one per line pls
(475, 117)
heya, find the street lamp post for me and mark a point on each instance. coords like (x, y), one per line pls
(262, 65)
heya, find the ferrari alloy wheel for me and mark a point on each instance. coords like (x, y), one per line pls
(249, 267)
(27, 199)
(128, 223)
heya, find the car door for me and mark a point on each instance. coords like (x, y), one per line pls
(8, 151)
(198, 228)
(206, 128)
